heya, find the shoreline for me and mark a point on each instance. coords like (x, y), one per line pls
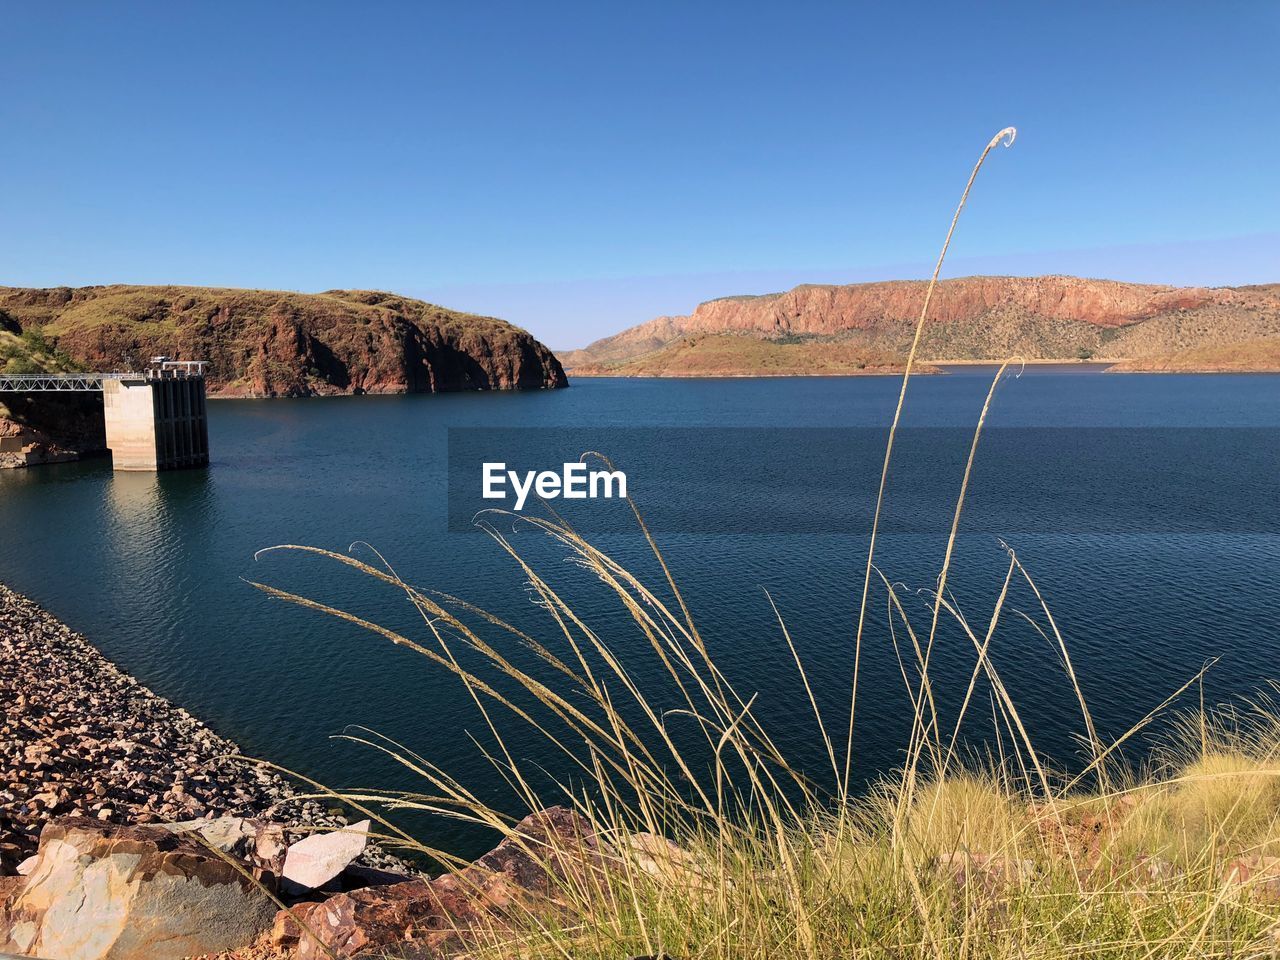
(938, 369)
(79, 736)
(750, 376)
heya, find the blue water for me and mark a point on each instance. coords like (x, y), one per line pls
(153, 568)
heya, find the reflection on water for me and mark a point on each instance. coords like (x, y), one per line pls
(155, 526)
(134, 503)
(152, 567)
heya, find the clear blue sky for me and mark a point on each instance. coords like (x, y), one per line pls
(577, 167)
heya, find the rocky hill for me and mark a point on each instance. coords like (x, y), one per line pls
(972, 318)
(264, 343)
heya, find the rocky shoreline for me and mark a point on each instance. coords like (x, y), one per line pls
(131, 831)
(79, 737)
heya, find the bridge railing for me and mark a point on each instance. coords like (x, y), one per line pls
(169, 369)
(92, 382)
(59, 382)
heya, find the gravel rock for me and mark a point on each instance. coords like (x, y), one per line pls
(79, 737)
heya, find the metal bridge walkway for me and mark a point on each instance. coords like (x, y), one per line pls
(59, 382)
(161, 368)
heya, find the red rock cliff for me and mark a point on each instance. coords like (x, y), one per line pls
(975, 318)
(270, 343)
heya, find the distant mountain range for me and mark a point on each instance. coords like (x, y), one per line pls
(867, 327)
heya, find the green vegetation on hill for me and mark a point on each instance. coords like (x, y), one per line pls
(30, 351)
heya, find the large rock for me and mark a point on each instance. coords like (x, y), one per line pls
(104, 892)
(259, 844)
(1255, 874)
(316, 860)
(525, 872)
(10, 887)
(671, 864)
(351, 924)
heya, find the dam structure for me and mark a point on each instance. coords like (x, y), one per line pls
(154, 420)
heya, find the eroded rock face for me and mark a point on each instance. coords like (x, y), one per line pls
(975, 318)
(825, 309)
(263, 343)
(100, 892)
(47, 428)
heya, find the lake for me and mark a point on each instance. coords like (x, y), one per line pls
(1144, 506)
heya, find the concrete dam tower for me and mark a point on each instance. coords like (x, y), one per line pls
(157, 420)
(153, 420)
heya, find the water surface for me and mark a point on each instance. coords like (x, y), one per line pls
(153, 568)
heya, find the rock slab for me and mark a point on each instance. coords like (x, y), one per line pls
(106, 892)
(315, 860)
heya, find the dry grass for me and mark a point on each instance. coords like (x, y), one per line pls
(30, 352)
(945, 858)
